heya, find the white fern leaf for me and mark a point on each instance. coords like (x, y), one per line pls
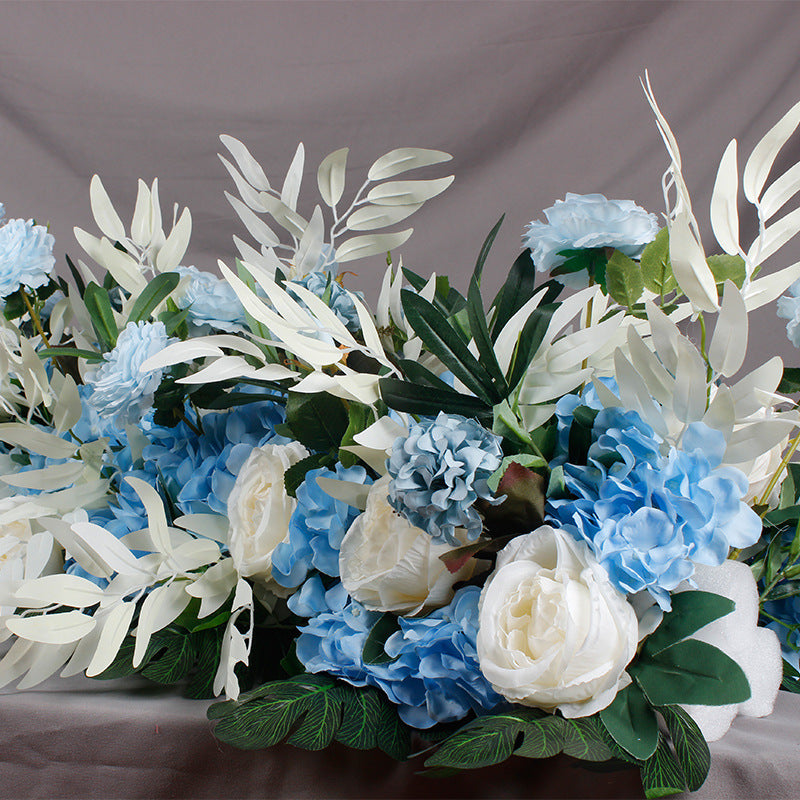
(331, 176)
(113, 626)
(250, 195)
(163, 605)
(404, 159)
(294, 177)
(729, 342)
(103, 211)
(250, 168)
(258, 229)
(724, 210)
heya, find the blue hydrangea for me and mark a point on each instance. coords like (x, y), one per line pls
(26, 256)
(339, 300)
(438, 472)
(210, 300)
(789, 308)
(434, 677)
(583, 221)
(316, 529)
(119, 388)
(649, 516)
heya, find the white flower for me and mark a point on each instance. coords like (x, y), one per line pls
(387, 564)
(259, 508)
(553, 632)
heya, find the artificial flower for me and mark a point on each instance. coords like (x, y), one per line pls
(211, 301)
(26, 256)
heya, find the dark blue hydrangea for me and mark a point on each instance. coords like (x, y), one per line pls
(438, 472)
(339, 299)
(434, 677)
(316, 529)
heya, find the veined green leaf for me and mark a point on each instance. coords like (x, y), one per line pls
(727, 268)
(624, 279)
(317, 420)
(632, 722)
(156, 290)
(690, 746)
(69, 352)
(415, 399)
(662, 774)
(102, 315)
(655, 265)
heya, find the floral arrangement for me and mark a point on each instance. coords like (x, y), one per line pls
(553, 523)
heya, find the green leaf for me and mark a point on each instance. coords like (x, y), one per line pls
(446, 298)
(447, 345)
(416, 373)
(662, 774)
(624, 279)
(360, 710)
(690, 746)
(70, 352)
(656, 267)
(543, 738)
(173, 658)
(14, 306)
(317, 420)
(175, 322)
(102, 315)
(790, 383)
(580, 434)
(296, 474)
(632, 722)
(791, 678)
(725, 267)
(532, 335)
(373, 652)
(76, 276)
(480, 334)
(156, 290)
(359, 417)
(690, 673)
(584, 739)
(523, 459)
(690, 612)
(515, 292)
(485, 248)
(414, 399)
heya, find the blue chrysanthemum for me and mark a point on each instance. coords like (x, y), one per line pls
(789, 309)
(26, 256)
(119, 388)
(586, 221)
(210, 300)
(339, 299)
(650, 517)
(317, 527)
(438, 472)
(434, 677)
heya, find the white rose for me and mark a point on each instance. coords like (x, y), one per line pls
(388, 564)
(259, 508)
(553, 632)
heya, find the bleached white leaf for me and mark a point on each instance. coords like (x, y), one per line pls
(258, 229)
(264, 258)
(606, 396)
(124, 268)
(35, 440)
(103, 211)
(91, 244)
(729, 342)
(507, 340)
(66, 590)
(663, 126)
(60, 628)
(659, 382)
(309, 250)
(370, 333)
(67, 410)
(247, 192)
(39, 554)
(57, 476)
(103, 549)
(115, 625)
(331, 176)
(212, 526)
(173, 250)
(157, 237)
(665, 335)
(163, 605)
(214, 586)
(325, 315)
(372, 217)
(689, 265)
(721, 414)
(49, 659)
(404, 159)
(83, 650)
(634, 393)
(405, 193)
(747, 393)
(775, 236)
(194, 554)
(376, 459)
(370, 245)
(752, 440)
(689, 398)
(780, 192)
(251, 169)
(286, 217)
(17, 661)
(764, 290)
(142, 224)
(354, 494)
(758, 166)
(724, 210)
(294, 177)
(156, 516)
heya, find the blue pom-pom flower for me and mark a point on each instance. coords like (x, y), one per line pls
(26, 256)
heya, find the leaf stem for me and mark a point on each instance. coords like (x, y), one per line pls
(37, 323)
(781, 467)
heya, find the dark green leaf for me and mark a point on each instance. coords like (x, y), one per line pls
(543, 738)
(725, 267)
(690, 612)
(102, 315)
(624, 279)
(69, 352)
(690, 673)
(485, 248)
(76, 276)
(662, 774)
(632, 722)
(422, 400)
(296, 474)
(14, 306)
(156, 290)
(416, 373)
(655, 265)
(515, 292)
(790, 383)
(783, 590)
(373, 652)
(317, 420)
(584, 739)
(208, 646)
(446, 298)
(580, 434)
(173, 660)
(360, 710)
(359, 417)
(690, 746)
(175, 322)
(393, 735)
(530, 338)
(791, 678)
(480, 334)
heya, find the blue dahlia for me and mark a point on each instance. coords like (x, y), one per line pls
(338, 299)
(210, 300)
(26, 256)
(438, 472)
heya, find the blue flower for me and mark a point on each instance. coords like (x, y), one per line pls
(316, 529)
(210, 300)
(438, 472)
(586, 221)
(120, 388)
(339, 299)
(434, 675)
(789, 308)
(649, 517)
(26, 256)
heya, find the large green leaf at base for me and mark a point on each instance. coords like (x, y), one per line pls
(662, 774)
(632, 722)
(690, 746)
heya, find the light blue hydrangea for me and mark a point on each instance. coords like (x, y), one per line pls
(119, 388)
(650, 517)
(789, 309)
(316, 529)
(583, 221)
(434, 675)
(26, 256)
(339, 299)
(211, 301)
(438, 472)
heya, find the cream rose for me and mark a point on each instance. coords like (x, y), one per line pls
(553, 632)
(259, 508)
(388, 564)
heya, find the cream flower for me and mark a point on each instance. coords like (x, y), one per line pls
(387, 564)
(553, 632)
(259, 508)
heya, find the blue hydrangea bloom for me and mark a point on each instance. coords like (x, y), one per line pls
(789, 308)
(26, 256)
(120, 388)
(438, 472)
(649, 517)
(340, 301)
(210, 300)
(434, 677)
(316, 529)
(312, 598)
(583, 221)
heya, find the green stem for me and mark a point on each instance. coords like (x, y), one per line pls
(779, 471)
(37, 323)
